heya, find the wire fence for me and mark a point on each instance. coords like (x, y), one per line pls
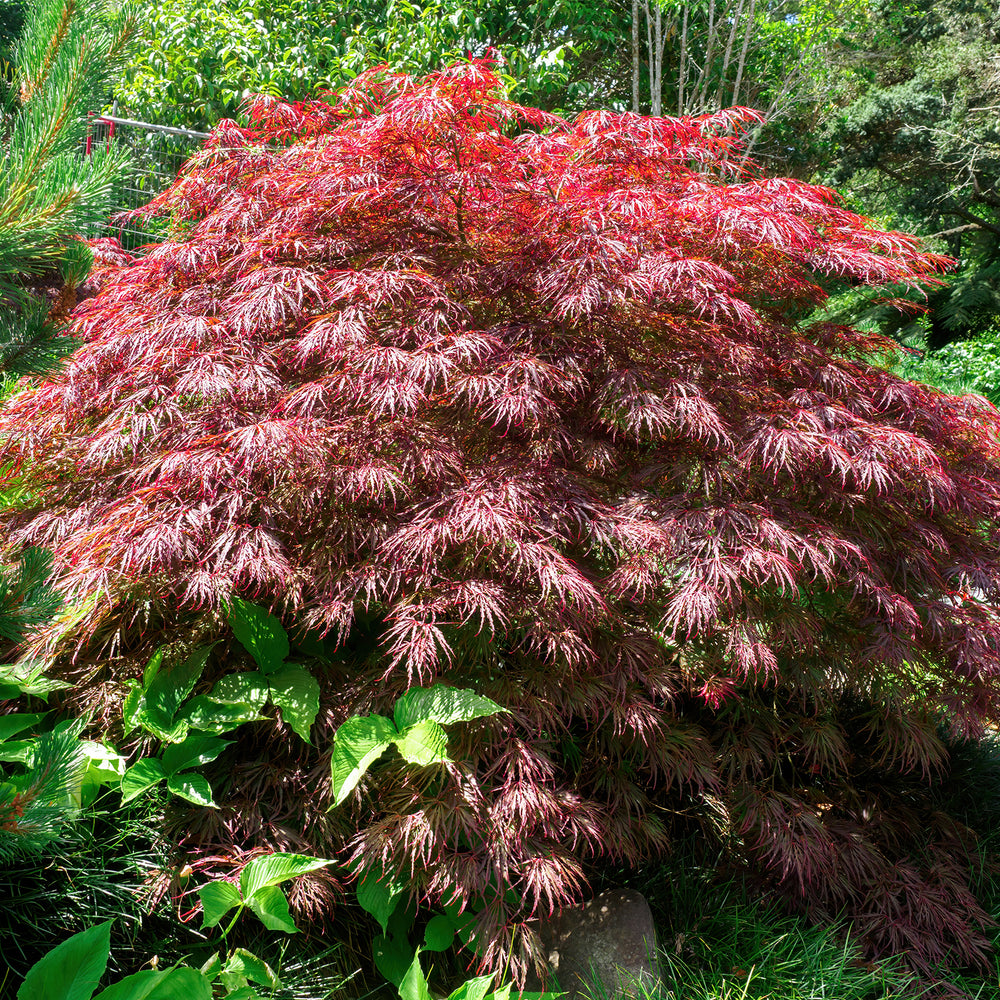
(156, 153)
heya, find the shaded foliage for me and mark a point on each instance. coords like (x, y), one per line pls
(489, 397)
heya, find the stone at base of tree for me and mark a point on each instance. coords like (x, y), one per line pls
(605, 948)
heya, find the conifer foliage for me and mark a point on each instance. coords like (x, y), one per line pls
(524, 405)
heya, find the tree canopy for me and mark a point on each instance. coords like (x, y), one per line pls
(526, 405)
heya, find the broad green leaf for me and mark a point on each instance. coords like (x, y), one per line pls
(425, 743)
(378, 895)
(271, 907)
(393, 957)
(11, 725)
(443, 705)
(244, 993)
(205, 713)
(261, 634)
(248, 689)
(141, 776)
(152, 667)
(27, 677)
(156, 722)
(173, 984)
(71, 970)
(213, 966)
(439, 934)
(249, 967)
(103, 767)
(473, 989)
(195, 750)
(167, 690)
(296, 692)
(217, 899)
(272, 869)
(414, 984)
(192, 787)
(357, 744)
(17, 751)
(131, 706)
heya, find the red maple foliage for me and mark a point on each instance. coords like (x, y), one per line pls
(529, 405)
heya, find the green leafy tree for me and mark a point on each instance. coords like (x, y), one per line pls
(916, 140)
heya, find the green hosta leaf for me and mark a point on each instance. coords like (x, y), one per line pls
(393, 957)
(71, 970)
(11, 725)
(213, 965)
(103, 767)
(414, 984)
(274, 869)
(378, 894)
(205, 713)
(357, 744)
(248, 689)
(271, 907)
(439, 934)
(443, 705)
(153, 667)
(261, 634)
(141, 776)
(193, 751)
(132, 706)
(154, 721)
(167, 689)
(217, 899)
(244, 993)
(192, 787)
(296, 692)
(173, 984)
(245, 965)
(27, 677)
(425, 743)
(473, 989)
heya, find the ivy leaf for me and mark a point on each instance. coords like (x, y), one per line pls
(192, 787)
(272, 869)
(357, 744)
(71, 970)
(271, 906)
(217, 899)
(425, 743)
(260, 633)
(296, 692)
(142, 775)
(443, 705)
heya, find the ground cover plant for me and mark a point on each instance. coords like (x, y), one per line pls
(470, 395)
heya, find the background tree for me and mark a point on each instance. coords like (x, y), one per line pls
(64, 58)
(915, 139)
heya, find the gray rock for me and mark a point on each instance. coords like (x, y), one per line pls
(604, 948)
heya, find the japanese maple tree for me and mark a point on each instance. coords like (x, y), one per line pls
(528, 406)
